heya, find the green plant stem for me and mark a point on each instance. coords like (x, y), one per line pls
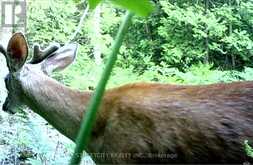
(90, 115)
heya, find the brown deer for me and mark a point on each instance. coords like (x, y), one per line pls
(137, 123)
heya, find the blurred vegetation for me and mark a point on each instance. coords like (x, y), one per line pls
(182, 42)
(248, 148)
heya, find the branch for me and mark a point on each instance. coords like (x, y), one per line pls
(80, 24)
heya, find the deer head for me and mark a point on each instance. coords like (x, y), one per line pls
(44, 62)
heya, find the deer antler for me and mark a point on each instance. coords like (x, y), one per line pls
(39, 55)
(2, 50)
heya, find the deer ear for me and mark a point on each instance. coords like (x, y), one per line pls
(60, 59)
(17, 51)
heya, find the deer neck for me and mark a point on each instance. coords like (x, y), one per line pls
(59, 105)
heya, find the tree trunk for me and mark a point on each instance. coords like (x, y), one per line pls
(230, 33)
(207, 31)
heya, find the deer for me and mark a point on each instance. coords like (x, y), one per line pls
(137, 122)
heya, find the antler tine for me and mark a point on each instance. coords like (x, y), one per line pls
(39, 55)
(2, 49)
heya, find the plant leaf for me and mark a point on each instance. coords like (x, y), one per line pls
(140, 7)
(248, 149)
(93, 3)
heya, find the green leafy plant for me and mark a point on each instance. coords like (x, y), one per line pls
(140, 7)
(248, 148)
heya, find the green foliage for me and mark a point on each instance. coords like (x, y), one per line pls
(183, 33)
(248, 148)
(178, 51)
(94, 3)
(247, 74)
(196, 74)
(51, 21)
(140, 7)
(185, 30)
(239, 43)
(176, 34)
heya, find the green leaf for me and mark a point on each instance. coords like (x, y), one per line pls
(139, 7)
(248, 149)
(93, 3)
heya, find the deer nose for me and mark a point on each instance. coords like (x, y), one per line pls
(5, 106)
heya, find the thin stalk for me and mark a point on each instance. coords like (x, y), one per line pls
(90, 115)
(207, 33)
(80, 24)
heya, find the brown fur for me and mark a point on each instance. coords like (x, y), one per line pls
(195, 124)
